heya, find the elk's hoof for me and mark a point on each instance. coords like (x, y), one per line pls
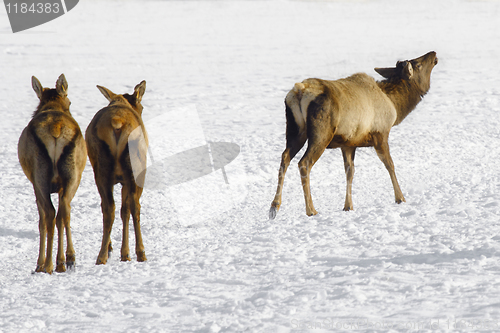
(398, 201)
(70, 261)
(272, 213)
(38, 269)
(61, 268)
(141, 256)
(100, 261)
(125, 257)
(312, 212)
(70, 265)
(347, 208)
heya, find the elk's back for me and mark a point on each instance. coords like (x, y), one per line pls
(49, 137)
(112, 126)
(355, 106)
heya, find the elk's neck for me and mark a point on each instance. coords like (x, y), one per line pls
(404, 95)
(50, 106)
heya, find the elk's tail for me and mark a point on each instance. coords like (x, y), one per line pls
(55, 130)
(117, 123)
(295, 103)
(298, 89)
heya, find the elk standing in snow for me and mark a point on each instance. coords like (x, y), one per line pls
(52, 154)
(109, 137)
(348, 113)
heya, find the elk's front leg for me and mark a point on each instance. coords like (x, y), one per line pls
(63, 224)
(65, 207)
(60, 260)
(135, 209)
(41, 250)
(382, 148)
(125, 215)
(70, 250)
(348, 155)
(50, 222)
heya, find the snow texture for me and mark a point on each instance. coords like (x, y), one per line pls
(215, 261)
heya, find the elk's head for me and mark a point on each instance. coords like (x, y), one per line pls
(416, 71)
(52, 99)
(134, 100)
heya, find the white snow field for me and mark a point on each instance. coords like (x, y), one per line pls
(219, 71)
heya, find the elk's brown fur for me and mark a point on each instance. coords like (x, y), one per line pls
(348, 113)
(108, 138)
(52, 154)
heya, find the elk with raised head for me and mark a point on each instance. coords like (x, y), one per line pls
(348, 113)
(52, 153)
(116, 140)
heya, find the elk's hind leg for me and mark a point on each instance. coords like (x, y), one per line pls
(130, 205)
(313, 153)
(293, 147)
(104, 165)
(320, 133)
(70, 178)
(295, 140)
(131, 193)
(108, 212)
(47, 214)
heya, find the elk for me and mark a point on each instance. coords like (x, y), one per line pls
(116, 140)
(52, 154)
(356, 111)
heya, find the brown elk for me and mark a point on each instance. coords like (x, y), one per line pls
(112, 138)
(348, 113)
(52, 153)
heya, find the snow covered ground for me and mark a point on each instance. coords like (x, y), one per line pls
(215, 261)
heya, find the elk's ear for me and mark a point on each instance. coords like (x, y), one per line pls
(37, 87)
(407, 70)
(62, 85)
(139, 91)
(387, 72)
(107, 93)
